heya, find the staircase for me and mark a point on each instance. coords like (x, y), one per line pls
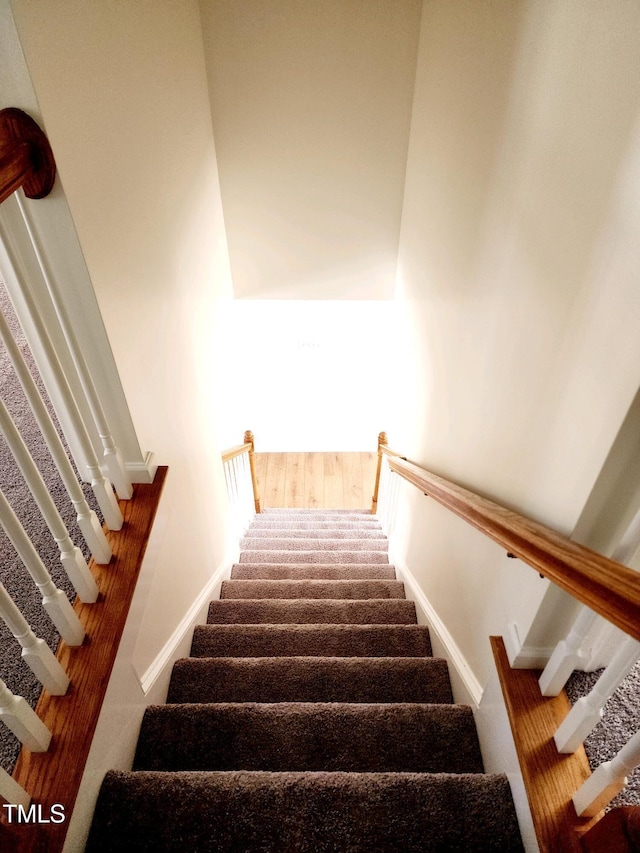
(310, 716)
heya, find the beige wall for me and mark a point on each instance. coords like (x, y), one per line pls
(518, 273)
(123, 94)
(311, 105)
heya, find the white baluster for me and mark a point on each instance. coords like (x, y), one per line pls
(35, 652)
(607, 780)
(587, 711)
(250, 510)
(54, 601)
(567, 655)
(71, 556)
(112, 456)
(21, 719)
(235, 501)
(11, 791)
(100, 485)
(87, 520)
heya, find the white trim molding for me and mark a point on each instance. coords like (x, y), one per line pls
(193, 616)
(142, 472)
(435, 623)
(524, 657)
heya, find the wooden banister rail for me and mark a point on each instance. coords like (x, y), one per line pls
(232, 452)
(607, 587)
(247, 447)
(26, 159)
(383, 450)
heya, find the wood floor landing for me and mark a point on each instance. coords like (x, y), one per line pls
(316, 480)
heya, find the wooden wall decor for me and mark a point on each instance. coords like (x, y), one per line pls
(26, 158)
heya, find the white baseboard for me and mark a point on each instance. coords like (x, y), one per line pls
(453, 652)
(142, 472)
(166, 654)
(524, 657)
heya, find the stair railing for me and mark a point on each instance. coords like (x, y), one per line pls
(242, 483)
(384, 502)
(27, 163)
(607, 588)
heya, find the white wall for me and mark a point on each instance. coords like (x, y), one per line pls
(123, 94)
(311, 105)
(518, 275)
(308, 375)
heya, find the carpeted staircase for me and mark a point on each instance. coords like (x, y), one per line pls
(311, 716)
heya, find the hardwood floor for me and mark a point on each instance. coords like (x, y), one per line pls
(316, 480)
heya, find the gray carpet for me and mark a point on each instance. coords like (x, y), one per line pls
(620, 721)
(310, 717)
(14, 576)
(241, 811)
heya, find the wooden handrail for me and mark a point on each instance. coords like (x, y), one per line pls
(248, 437)
(232, 452)
(26, 159)
(607, 587)
(247, 447)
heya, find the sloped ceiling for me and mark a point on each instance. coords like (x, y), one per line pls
(311, 107)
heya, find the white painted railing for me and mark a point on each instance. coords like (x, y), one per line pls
(572, 653)
(22, 720)
(112, 456)
(27, 265)
(70, 555)
(35, 652)
(242, 487)
(386, 490)
(100, 485)
(389, 490)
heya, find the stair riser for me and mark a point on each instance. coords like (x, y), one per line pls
(313, 612)
(355, 535)
(361, 739)
(304, 813)
(312, 679)
(275, 523)
(308, 544)
(316, 640)
(270, 571)
(355, 590)
(301, 556)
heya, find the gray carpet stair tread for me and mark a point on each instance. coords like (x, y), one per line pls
(342, 557)
(247, 812)
(300, 571)
(305, 512)
(388, 611)
(310, 679)
(350, 589)
(310, 737)
(309, 523)
(350, 534)
(306, 543)
(309, 640)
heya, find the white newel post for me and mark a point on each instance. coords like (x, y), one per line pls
(35, 652)
(100, 485)
(587, 711)
(22, 720)
(111, 454)
(54, 601)
(570, 654)
(607, 780)
(567, 655)
(70, 555)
